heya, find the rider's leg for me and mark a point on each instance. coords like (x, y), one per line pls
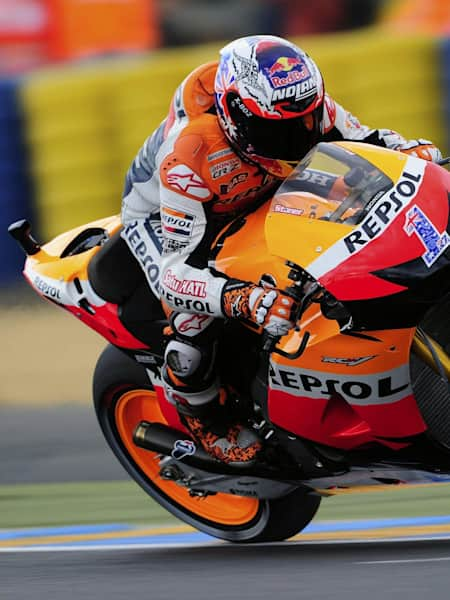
(191, 383)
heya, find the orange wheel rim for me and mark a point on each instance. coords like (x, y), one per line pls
(142, 405)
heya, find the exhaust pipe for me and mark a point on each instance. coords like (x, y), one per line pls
(170, 442)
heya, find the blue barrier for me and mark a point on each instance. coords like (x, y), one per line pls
(15, 185)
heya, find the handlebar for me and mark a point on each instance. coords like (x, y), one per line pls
(305, 290)
(270, 345)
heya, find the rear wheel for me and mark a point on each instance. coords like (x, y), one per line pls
(123, 396)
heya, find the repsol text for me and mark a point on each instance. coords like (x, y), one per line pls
(383, 212)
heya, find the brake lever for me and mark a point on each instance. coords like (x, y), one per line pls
(270, 341)
(303, 299)
(270, 346)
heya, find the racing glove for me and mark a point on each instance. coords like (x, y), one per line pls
(268, 307)
(422, 149)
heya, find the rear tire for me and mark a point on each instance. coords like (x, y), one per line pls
(123, 396)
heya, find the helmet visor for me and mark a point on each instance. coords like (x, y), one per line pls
(283, 139)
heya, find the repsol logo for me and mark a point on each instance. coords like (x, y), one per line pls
(186, 304)
(143, 242)
(48, 290)
(378, 388)
(384, 212)
(169, 220)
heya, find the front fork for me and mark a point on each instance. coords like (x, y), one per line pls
(431, 353)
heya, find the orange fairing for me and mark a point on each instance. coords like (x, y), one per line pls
(48, 260)
(305, 238)
(342, 391)
(65, 281)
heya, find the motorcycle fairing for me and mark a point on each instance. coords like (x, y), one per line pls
(345, 394)
(63, 279)
(354, 272)
(348, 259)
(343, 391)
(330, 356)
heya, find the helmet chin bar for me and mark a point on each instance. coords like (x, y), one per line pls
(276, 167)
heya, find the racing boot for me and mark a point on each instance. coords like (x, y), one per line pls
(212, 426)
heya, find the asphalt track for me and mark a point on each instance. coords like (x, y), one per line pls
(290, 570)
(64, 444)
(54, 444)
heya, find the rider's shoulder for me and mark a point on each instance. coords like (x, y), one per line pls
(199, 144)
(197, 89)
(193, 158)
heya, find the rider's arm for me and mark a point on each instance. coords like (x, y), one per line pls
(339, 125)
(187, 284)
(140, 195)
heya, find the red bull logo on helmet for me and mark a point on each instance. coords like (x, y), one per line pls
(294, 69)
(284, 63)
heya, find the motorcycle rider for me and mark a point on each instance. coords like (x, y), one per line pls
(235, 129)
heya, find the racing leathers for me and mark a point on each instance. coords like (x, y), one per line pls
(184, 185)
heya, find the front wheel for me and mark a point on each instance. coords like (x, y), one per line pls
(123, 397)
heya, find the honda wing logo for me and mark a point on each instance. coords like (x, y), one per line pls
(349, 362)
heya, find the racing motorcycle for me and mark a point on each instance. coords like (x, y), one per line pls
(356, 395)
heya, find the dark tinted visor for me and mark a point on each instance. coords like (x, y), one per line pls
(282, 139)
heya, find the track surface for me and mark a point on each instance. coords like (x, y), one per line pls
(65, 445)
(54, 444)
(292, 570)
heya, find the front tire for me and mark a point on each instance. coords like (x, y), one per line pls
(123, 396)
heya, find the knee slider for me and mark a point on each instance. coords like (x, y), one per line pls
(183, 359)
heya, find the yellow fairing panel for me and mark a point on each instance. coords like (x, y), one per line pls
(301, 239)
(48, 262)
(294, 228)
(390, 162)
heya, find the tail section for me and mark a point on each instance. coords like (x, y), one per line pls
(59, 271)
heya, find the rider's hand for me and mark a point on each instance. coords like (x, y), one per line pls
(422, 149)
(272, 309)
(268, 307)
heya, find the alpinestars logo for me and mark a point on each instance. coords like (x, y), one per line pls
(186, 181)
(194, 323)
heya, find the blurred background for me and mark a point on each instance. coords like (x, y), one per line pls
(84, 82)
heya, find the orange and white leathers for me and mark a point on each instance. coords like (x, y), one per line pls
(188, 179)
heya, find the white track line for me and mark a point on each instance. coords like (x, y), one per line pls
(402, 561)
(221, 543)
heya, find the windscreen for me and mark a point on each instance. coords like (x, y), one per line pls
(333, 184)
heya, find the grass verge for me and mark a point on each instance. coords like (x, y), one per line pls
(124, 502)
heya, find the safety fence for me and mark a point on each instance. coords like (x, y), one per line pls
(68, 134)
